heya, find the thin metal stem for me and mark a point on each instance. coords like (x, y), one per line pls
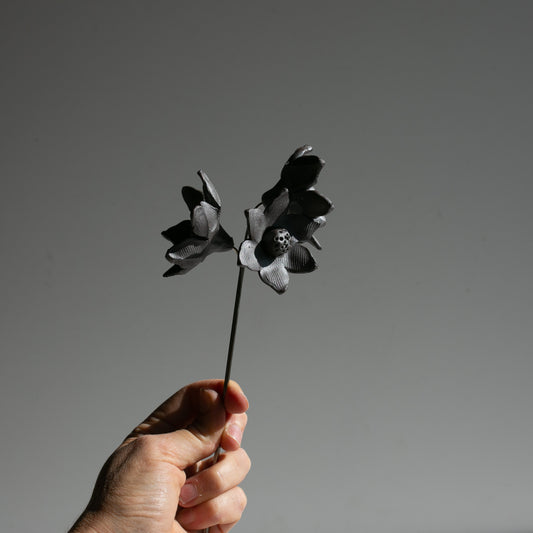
(234, 321)
(231, 346)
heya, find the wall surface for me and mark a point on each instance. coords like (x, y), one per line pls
(391, 390)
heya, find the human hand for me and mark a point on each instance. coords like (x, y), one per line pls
(162, 463)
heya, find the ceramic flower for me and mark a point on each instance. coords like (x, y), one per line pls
(277, 229)
(273, 248)
(298, 176)
(193, 240)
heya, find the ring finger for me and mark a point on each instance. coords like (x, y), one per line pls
(225, 509)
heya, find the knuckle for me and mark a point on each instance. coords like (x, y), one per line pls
(146, 445)
(246, 461)
(240, 500)
(217, 512)
(216, 482)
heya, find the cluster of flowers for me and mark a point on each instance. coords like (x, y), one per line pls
(287, 217)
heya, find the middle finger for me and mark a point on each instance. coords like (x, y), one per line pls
(230, 470)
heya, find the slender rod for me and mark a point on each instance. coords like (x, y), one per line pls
(229, 359)
(234, 322)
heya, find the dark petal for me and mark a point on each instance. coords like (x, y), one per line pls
(247, 256)
(262, 256)
(275, 275)
(300, 226)
(269, 196)
(204, 220)
(301, 173)
(210, 193)
(191, 248)
(314, 204)
(299, 152)
(256, 222)
(221, 241)
(298, 174)
(174, 270)
(192, 196)
(183, 265)
(179, 232)
(299, 259)
(277, 208)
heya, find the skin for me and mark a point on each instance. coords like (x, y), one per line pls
(161, 480)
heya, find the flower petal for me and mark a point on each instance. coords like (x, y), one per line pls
(277, 207)
(315, 243)
(299, 152)
(192, 196)
(179, 232)
(204, 220)
(221, 242)
(299, 259)
(187, 249)
(210, 193)
(183, 266)
(275, 275)
(301, 173)
(256, 222)
(271, 194)
(314, 204)
(173, 270)
(300, 226)
(247, 256)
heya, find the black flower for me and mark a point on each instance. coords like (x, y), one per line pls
(298, 176)
(193, 240)
(273, 248)
(288, 216)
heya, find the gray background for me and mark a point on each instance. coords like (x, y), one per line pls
(390, 390)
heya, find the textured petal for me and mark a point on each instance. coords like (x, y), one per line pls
(221, 241)
(179, 232)
(182, 266)
(277, 207)
(315, 243)
(314, 204)
(276, 275)
(301, 173)
(188, 249)
(300, 226)
(210, 193)
(192, 196)
(299, 259)
(247, 256)
(204, 220)
(256, 223)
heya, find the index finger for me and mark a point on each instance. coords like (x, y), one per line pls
(183, 407)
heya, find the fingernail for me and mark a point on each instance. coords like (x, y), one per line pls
(235, 432)
(188, 493)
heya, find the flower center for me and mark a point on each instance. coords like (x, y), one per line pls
(276, 241)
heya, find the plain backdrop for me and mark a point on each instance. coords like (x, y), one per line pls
(390, 390)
